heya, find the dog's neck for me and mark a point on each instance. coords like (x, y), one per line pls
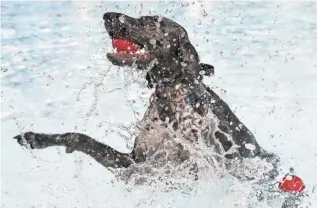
(168, 97)
(174, 91)
(171, 84)
(179, 92)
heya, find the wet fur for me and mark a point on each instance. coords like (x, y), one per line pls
(176, 70)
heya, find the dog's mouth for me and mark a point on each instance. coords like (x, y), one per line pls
(126, 52)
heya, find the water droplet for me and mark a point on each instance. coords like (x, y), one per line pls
(249, 146)
(153, 42)
(122, 18)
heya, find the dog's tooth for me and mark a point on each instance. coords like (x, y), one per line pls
(140, 51)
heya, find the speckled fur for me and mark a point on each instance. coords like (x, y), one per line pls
(167, 125)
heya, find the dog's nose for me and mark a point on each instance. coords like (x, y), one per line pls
(111, 16)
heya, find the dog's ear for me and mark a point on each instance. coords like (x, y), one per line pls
(188, 56)
(149, 81)
(208, 69)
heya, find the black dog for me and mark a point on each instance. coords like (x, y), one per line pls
(182, 107)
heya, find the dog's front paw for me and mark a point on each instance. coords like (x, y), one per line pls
(30, 139)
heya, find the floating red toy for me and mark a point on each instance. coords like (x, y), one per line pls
(124, 45)
(292, 183)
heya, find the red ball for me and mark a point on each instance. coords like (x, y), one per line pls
(124, 45)
(292, 183)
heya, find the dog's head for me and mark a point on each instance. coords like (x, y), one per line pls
(161, 45)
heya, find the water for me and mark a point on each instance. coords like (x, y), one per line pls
(55, 78)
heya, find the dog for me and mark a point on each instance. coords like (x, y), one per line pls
(182, 107)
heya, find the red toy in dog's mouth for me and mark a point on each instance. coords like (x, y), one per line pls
(126, 52)
(124, 45)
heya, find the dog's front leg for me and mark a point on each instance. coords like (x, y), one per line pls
(102, 153)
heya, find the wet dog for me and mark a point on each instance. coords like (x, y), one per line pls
(182, 107)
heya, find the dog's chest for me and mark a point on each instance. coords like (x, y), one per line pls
(156, 138)
(187, 112)
(189, 124)
(167, 124)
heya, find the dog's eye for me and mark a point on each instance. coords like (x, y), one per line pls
(142, 24)
(159, 43)
(123, 31)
